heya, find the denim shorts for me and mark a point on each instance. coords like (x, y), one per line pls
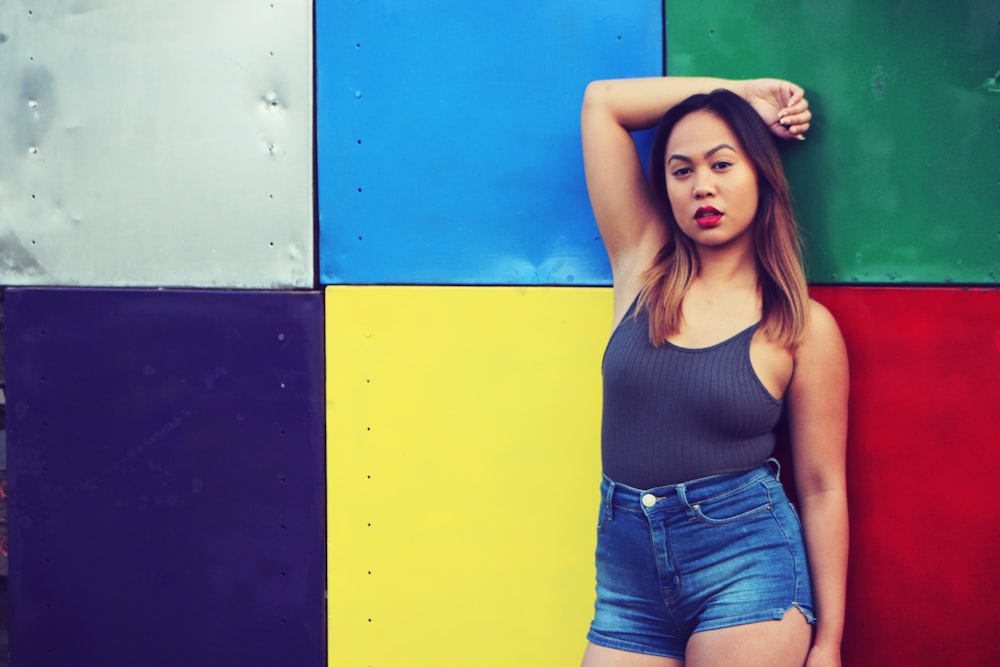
(712, 553)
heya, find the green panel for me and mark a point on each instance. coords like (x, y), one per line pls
(899, 180)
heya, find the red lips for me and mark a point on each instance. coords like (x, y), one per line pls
(707, 216)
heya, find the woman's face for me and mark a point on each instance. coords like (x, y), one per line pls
(711, 182)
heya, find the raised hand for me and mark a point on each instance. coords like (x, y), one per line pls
(781, 104)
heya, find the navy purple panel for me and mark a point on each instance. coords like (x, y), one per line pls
(448, 141)
(166, 455)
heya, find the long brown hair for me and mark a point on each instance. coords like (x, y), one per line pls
(781, 280)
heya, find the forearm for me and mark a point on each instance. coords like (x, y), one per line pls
(637, 104)
(825, 523)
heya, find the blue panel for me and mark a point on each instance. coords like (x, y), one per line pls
(448, 136)
(166, 454)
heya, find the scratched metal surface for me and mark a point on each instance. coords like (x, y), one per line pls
(167, 455)
(899, 180)
(449, 140)
(156, 143)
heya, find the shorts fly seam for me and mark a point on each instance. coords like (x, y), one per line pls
(674, 591)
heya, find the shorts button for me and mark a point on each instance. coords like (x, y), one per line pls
(648, 500)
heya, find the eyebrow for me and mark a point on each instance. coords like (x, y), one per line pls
(708, 154)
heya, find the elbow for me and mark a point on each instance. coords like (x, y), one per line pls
(596, 95)
(819, 486)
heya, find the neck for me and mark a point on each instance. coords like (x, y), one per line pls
(727, 265)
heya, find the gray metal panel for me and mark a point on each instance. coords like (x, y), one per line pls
(156, 143)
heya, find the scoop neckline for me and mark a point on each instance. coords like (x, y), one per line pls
(713, 346)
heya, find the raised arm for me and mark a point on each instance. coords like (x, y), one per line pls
(817, 409)
(619, 193)
(626, 216)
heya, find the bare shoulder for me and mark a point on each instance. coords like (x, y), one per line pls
(821, 326)
(822, 342)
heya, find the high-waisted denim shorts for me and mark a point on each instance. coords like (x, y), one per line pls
(712, 553)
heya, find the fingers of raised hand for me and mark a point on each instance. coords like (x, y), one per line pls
(794, 120)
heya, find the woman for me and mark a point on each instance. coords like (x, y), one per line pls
(701, 560)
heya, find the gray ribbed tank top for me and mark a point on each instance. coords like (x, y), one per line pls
(674, 414)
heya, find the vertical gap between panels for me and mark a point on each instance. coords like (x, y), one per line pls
(316, 278)
(663, 36)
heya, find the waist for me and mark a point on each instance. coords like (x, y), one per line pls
(698, 490)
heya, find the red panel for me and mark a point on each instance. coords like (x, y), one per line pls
(924, 474)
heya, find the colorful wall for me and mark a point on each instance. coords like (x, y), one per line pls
(305, 313)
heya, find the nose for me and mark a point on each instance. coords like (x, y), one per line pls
(703, 186)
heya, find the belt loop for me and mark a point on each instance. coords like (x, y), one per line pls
(608, 500)
(777, 468)
(682, 494)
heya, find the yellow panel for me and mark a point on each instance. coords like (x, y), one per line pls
(463, 469)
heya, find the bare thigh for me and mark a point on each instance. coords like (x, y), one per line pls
(600, 656)
(783, 643)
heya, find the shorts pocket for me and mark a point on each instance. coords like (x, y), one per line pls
(741, 505)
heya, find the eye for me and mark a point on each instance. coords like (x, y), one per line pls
(722, 165)
(680, 172)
